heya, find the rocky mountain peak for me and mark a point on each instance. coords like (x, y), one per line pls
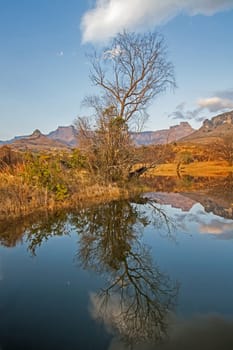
(221, 119)
(217, 127)
(36, 133)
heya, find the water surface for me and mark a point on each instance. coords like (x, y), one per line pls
(154, 272)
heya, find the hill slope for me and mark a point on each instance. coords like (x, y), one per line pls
(172, 134)
(218, 127)
(36, 142)
(64, 134)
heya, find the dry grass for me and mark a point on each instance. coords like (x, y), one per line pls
(193, 169)
(19, 197)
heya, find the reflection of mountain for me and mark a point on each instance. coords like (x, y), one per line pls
(214, 194)
(185, 201)
(176, 200)
(212, 204)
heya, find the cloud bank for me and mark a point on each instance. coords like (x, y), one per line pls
(111, 16)
(221, 101)
(215, 104)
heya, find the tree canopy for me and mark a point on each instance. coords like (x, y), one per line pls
(129, 74)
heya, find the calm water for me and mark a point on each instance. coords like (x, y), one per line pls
(155, 272)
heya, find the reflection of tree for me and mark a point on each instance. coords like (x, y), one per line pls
(107, 232)
(55, 225)
(137, 297)
(34, 230)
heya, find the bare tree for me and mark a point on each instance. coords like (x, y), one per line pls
(130, 73)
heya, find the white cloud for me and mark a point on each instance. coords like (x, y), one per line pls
(111, 54)
(111, 16)
(219, 103)
(215, 104)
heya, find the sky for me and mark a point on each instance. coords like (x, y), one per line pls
(44, 71)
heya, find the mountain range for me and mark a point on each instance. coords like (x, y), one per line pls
(67, 136)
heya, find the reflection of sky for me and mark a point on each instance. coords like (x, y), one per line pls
(201, 331)
(197, 220)
(200, 259)
(52, 291)
(1, 270)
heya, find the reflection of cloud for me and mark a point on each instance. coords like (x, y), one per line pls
(60, 53)
(209, 332)
(107, 313)
(131, 325)
(110, 16)
(176, 200)
(225, 229)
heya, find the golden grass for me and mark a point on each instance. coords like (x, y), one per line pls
(211, 168)
(19, 198)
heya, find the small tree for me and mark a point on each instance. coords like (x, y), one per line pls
(108, 149)
(129, 73)
(223, 148)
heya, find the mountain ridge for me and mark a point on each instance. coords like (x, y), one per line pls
(163, 136)
(36, 141)
(67, 136)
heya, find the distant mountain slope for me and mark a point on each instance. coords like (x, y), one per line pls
(64, 134)
(67, 136)
(213, 129)
(36, 142)
(172, 134)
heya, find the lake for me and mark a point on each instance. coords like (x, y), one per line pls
(153, 272)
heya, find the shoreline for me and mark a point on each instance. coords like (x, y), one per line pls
(20, 198)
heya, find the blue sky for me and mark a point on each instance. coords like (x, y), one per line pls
(44, 70)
